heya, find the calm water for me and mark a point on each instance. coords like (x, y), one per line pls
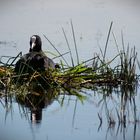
(91, 18)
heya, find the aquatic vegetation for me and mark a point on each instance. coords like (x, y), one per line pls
(97, 73)
(77, 77)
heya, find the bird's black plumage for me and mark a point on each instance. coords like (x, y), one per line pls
(35, 60)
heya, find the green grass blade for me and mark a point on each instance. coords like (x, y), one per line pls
(56, 50)
(107, 41)
(68, 47)
(73, 34)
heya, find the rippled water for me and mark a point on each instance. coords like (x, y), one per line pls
(91, 19)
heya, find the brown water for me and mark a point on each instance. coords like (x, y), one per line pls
(91, 18)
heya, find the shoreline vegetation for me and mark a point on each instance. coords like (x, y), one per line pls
(94, 74)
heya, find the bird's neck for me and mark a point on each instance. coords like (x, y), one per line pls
(35, 50)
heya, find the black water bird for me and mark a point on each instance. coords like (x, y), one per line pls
(35, 59)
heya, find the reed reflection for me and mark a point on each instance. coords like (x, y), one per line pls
(121, 111)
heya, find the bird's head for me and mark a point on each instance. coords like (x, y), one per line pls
(35, 44)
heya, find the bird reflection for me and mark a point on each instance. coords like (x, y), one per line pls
(36, 116)
(36, 100)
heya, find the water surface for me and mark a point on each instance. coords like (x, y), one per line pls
(91, 19)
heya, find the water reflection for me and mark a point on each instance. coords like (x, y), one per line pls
(118, 106)
(122, 131)
(35, 101)
(122, 113)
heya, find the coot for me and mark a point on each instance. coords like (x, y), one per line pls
(35, 60)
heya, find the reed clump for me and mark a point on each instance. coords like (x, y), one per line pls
(81, 75)
(97, 73)
(100, 72)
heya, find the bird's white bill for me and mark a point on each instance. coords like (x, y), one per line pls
(33, 44)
